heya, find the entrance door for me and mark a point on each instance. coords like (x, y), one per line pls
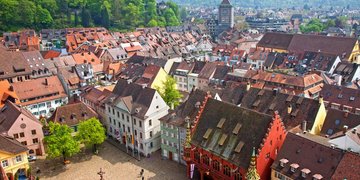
(170, 156)
(38, 151)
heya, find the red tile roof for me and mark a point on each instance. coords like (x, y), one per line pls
(349, 167)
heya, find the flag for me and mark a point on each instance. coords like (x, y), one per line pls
(132, 139)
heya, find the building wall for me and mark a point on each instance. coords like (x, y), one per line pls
(170, 141)
(319, 120)
(355, 54)
(278, 176)
(346, 143)
(181, 82)
(14, 166)
(192, 81)
(159, 80)
(25, 125)
(43, 108)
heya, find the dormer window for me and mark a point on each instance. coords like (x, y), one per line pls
(283, 162)
(317, 177)
(293, 167)
(305, 172)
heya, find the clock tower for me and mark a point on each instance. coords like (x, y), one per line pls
(226, 16)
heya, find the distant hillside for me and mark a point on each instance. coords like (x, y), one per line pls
(274, 3)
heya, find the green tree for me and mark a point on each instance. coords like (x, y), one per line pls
(169, 93)
(340, 22)
(105, 18)
(85, 17)
(183, 14)
(314, 25)
(170, 17)
(60, 141)
(152, 23)
(91, 133)
(43, 18)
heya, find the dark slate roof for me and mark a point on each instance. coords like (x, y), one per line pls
(221, 72)
(11, 146)
(341, 95)
(233, 92)
(347, 70)
(253, 130)
(307, 153)
(349, 167)
(336, 120)
(188, 108)
(276, 40)
(136, 59)
(72, 114)
(274, 59)
(267, 101)
(133, 72)
(173, 68)
(207, 70)
(9, 113)
(198, 66)
(138, 98)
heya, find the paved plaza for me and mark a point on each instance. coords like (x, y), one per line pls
(115, 163)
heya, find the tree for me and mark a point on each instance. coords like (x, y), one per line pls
(91, 133)
(43, 18)
(170, 17)
(105, 18)
(60, 141)
(340, 22)
(152, 23)
(85, 17)
(183, 14)
(169, 93)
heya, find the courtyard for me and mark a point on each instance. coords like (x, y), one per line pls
(115, 163)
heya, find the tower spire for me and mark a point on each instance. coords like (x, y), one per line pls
(252, 173)
(188, 133)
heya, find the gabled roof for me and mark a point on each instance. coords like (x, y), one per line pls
(7, 93)
(214, 130)
(12, 64)
(141, 96)
(208, 69)
(72, 114)
(10, 113)
(307, 153)
(11, 146)
(275, 40)
(341, 95)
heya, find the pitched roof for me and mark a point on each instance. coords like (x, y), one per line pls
(72, 114)
(341, 95)
(9, 114)
(137, 59)
(7, 93)
(276, 40)
(50, 54)
(336, 120)
(307, 153)
(208, 70)
(141, 96)
(348, 168)
(11, 146)
(230, 115)
(188, 108)
(268, 101)
(12, 64)
(48, 88)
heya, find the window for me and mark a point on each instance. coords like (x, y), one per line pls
(135, 132)
(22, 134)
(128, 129)
(35, 141)
(119, 125)
(16, 136)
(216, 165)
(141, 135)
(140, 124)
(18, 158)
(118, 114)
(134, 121)
(150, 122)
(113, 110)
(197, 156)
(227, 171)
(238, 176)
(5, 163)
(141, 146)
(127, 118)
(109, 109)
(151, 134)
(110, 120)
(151, 144)
(205, 160)
(124, 128)
(33, 132)
(122, 116)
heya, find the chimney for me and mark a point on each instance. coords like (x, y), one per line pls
(275, 91)
(46, 82)
(289, 109)
(321, 99)
(82, 54)
(304, 126)
(345, 128)
(248, 86)
(11, 88)
(338, 80)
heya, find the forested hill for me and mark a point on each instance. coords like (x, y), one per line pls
(114, 14)
(274, 3)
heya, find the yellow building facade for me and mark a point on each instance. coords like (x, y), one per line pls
(14, 163)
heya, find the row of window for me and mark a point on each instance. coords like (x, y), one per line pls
(226, 170)
(172, 135)
(127, 117)
(22, 134)
(5, 163)
(169, 143)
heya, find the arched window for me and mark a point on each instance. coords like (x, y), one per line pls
(197, 156)
(238, 176)
(205, 160)
(216, 165)
(227, 171)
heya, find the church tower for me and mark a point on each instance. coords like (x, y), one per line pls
(226, 16)
(252, 173)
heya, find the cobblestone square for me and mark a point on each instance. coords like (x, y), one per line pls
(115, 163)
